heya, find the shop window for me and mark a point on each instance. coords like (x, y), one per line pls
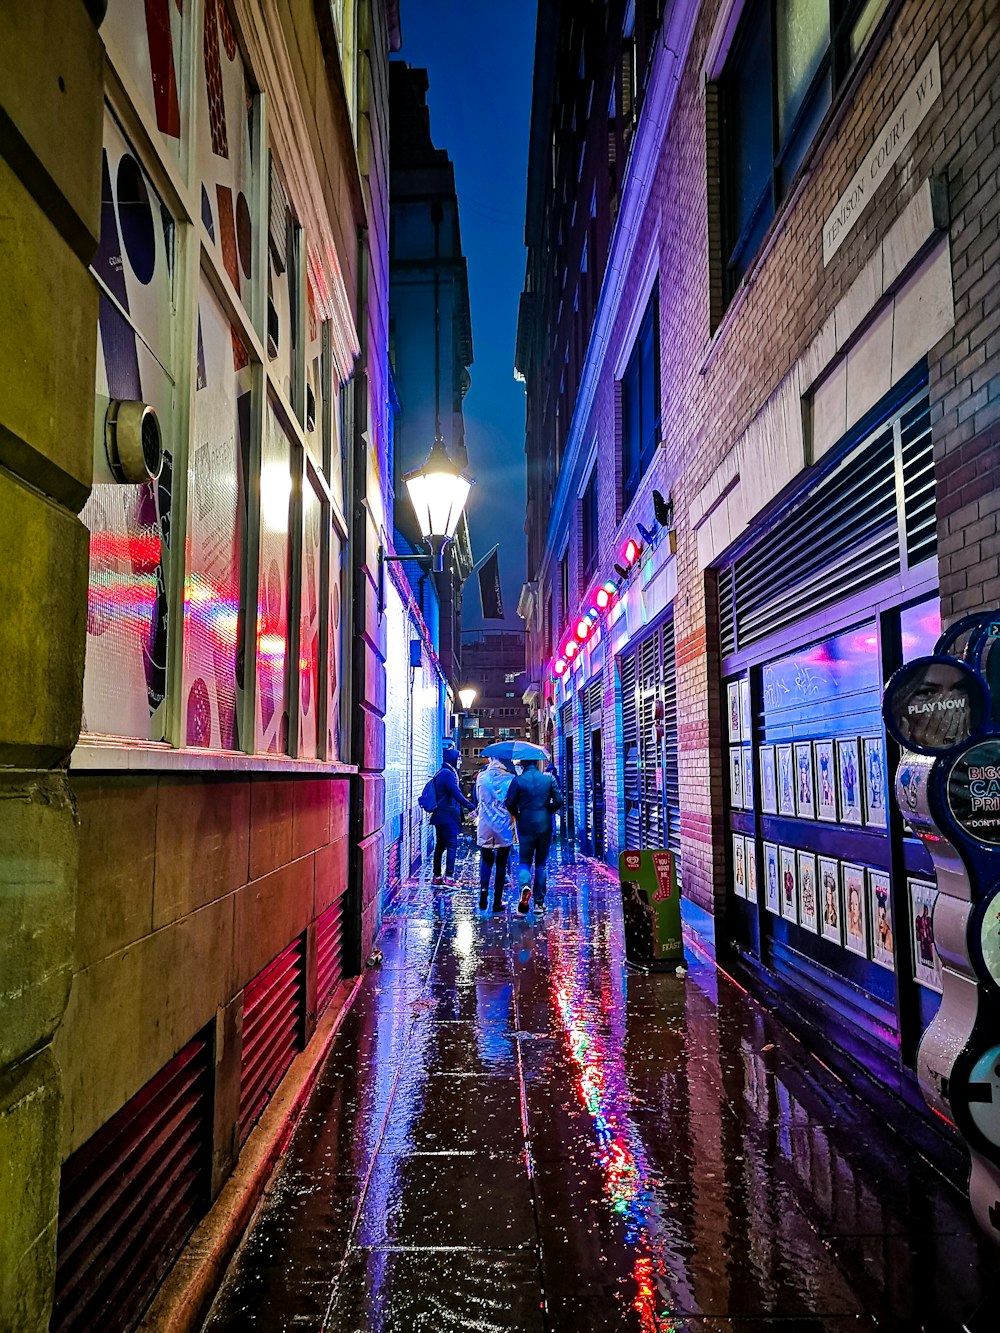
(640, 402)
(787, 61)
(262, 447)
(588, 526)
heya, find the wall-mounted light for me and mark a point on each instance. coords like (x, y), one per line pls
(467, 696)
(438, 492)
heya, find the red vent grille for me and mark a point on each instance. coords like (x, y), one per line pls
(329, 953)
(273, 1030)
(131, 1195)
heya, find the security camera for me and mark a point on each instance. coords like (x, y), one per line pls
(133, 442)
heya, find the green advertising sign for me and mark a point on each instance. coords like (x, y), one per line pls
(651, 907)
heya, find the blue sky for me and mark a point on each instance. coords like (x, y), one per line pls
(478, 56)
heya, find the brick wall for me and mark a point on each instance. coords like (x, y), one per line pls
(716, 376)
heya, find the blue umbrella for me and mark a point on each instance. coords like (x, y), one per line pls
(509, 751)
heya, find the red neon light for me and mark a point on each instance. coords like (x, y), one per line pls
(560, 667)
(631, 551)
(569, 648)
(602, 598)
(582, 628)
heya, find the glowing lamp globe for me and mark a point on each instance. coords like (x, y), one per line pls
(438, 492)
(569, 647)
(631, 551)
(602, 599)
(560, 666)
(582, 628)
(468, 695)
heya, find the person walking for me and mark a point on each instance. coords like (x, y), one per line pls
(446, 816)
(495, 831)
(533, 798)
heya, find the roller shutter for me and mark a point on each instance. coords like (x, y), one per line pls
(329, 953)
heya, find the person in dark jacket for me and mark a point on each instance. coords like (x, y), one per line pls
(447, 816)
(533, 798)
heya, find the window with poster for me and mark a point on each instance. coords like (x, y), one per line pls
(215, 576)
(817, 610)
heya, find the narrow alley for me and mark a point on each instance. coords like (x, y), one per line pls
(514, 1132)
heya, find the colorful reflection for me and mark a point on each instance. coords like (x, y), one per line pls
(594, 1022)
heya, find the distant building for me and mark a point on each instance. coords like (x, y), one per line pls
(493, 662)
(430, 343)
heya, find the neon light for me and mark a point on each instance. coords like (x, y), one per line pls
(569, 648)
(631, 551)
(582, 628)
(560, 666)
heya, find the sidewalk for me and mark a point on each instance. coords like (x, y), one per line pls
(514, 1133)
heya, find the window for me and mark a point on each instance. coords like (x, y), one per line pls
(588, 525)
(222, 596)
(788, 59)
(564, 583)
(640, 402)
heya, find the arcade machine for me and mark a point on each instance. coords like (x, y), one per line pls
(944, 710)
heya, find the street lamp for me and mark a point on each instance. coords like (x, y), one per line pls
(468, 695)
(438, 491)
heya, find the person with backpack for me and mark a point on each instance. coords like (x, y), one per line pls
(442, 798)
(495, 831)
(533, 798)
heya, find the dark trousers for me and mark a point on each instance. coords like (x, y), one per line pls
(445, 840)
(535, 851)
(490, 856)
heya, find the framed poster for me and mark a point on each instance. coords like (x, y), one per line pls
(736, 776)
(750, 860)
(733, 703)
(831, 911)
(739, 866)
(883, 945)
(848, 782)
(746, 721)
(873, 773)
(855, 916)
(747, 778)
(807, 891)
(805, 794)
(786, 780)
(772, 893)
(768, 782)
(789, 884)
(826, 781)
(926, 963)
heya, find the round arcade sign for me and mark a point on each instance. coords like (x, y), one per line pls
(974, 791)
(984, 941)
(934, 705)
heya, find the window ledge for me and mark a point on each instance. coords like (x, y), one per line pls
(119, 755)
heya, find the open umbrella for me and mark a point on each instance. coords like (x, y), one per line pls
(508, 751)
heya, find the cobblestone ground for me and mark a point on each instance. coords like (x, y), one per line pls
(512, 1132)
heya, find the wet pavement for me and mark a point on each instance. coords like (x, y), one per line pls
(512, 1132)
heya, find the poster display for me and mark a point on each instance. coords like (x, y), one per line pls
(651, 908)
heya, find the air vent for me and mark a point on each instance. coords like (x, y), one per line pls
(329, 952)
(838, 538)
(131, 1196)
(273, 1031)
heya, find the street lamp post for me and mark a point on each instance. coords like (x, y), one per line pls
(438, 491)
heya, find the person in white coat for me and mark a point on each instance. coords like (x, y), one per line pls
(495, 831)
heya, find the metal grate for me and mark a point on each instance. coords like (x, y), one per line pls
(131, 1195)
(838, 538)
(652, 787)
(917, 450)
(273, 1031)
(329, 953)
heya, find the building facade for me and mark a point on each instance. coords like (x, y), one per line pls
(195, 465)
(430, 340)
(759, 337)
(493, 662)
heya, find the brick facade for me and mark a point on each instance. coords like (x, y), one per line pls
(719, 369)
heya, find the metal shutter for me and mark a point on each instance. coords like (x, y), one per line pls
(591, 702)
(131, 1196)
(839, 536)
(671, 748)
(329, 953)
(630, 750)
(650, 761)
(273, 1031)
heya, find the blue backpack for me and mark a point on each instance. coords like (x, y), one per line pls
(428, 798)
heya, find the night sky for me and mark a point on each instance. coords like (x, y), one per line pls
(478, 55)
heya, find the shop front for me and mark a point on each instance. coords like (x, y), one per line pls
(829, 895)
